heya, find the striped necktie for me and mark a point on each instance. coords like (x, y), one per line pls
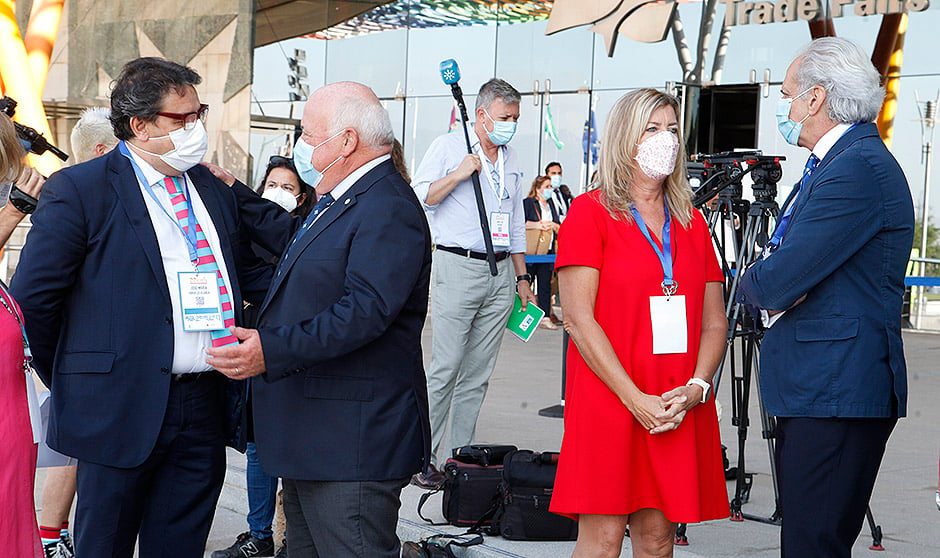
(205, 262)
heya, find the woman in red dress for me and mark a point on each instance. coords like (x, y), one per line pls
(644, 307)
(18, 529)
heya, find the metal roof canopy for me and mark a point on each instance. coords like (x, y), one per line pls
(276, 20)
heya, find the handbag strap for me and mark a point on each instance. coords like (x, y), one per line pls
(423, 500)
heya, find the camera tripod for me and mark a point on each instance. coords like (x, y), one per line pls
(748, 223)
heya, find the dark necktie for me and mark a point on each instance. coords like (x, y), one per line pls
(781, 229)
(324, 202)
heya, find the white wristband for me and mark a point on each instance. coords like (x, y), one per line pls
(702, 384)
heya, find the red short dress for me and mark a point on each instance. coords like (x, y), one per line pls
(610, 464)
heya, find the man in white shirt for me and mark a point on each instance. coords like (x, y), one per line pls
(469, 306)
(553, 172)
(132, 270)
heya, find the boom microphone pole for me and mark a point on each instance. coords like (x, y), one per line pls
(450, 73)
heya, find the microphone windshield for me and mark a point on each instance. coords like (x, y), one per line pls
(450, 73)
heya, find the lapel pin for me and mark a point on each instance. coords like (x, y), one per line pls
(346, 202)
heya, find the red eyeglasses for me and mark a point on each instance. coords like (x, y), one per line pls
(189, 118)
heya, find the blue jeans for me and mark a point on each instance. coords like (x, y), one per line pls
(262, 495)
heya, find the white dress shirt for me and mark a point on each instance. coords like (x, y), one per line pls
(455, 221)
(189, 347)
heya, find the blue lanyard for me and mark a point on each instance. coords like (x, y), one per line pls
(189, 235)
(10, 306)
(664, 255)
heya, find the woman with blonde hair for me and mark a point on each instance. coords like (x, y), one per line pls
(18, 529)
(644, 307)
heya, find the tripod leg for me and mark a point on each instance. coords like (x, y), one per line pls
(768, 431)
(876, 534)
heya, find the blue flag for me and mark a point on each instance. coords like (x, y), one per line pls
(589, 140)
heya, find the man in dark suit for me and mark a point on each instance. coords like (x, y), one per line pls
(829, 287)
(101, 282)
(342, 413)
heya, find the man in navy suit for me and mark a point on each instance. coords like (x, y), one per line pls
(342, 413)
(100, 281)
(829, 287)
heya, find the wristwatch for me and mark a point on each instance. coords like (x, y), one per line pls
(702, 384)
(524, 277)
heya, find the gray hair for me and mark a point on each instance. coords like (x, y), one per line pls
(497, 89)
(93, 127)
(853, 86)
(368, 117)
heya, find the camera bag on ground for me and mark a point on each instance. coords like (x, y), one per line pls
(525, 493)
(437, 546)
(471, 484)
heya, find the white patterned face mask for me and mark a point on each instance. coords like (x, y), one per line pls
(657, 154)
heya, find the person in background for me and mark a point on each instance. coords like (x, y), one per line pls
(282, 181)
(829, 289)
(91, 137)
(282, 185)
(562, 203)
(469, 306)
(542, 215)
(18, 529)
(561, 198)
(398, 157)
(644, 306)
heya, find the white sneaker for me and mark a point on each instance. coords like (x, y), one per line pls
(938, 499)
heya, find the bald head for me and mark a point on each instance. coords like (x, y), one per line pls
(347, 104)
(347, 127)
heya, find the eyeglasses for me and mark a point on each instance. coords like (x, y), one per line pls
(188, 118)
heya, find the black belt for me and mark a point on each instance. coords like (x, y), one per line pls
(190, 377)
(500, 256)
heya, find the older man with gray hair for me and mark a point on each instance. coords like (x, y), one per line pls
(829, 288)
(469, 307)
(342, 412)
(92, 135)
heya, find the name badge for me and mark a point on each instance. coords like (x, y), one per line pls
(199, 301)
(499, 229)
(670, 334)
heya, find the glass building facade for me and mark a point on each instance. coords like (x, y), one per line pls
(568, 75)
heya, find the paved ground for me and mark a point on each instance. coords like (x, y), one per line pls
(527, 378)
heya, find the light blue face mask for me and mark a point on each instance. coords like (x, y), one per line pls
(502, 131)
(547, 194)
(789, 129)
(303, 160)
(556, 180)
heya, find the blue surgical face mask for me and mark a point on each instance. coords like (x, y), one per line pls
(303, 160)
(556, 180)
(789, 129)
(502, 131)
(547, 194)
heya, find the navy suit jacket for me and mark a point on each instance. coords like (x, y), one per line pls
(839, 353)
(345, 394)
(91, 284)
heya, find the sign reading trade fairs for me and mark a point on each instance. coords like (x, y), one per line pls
(740, 12)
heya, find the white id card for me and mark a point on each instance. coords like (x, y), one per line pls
(199, 301)
(499, 229)
(670, 334)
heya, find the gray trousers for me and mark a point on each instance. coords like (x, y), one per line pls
(469, 310)
(342, 519)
